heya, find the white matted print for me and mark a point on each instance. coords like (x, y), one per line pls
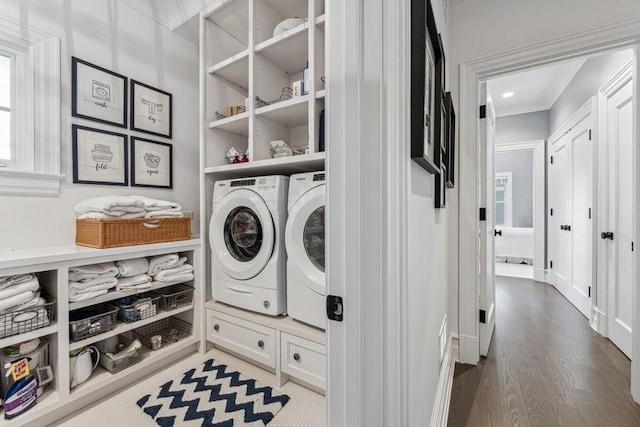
(99, 157)
(152, 163)
(98, 94)
(150, 110)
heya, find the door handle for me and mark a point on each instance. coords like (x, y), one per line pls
(607, 235)
(567, 227)
(497, 232)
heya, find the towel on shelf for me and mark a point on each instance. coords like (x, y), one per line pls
(158, 214)
(87, 295)
(76, 288)
(162, 262)
(36, 300)
(141, 281)
(133, 267)
(104, 269)
(14, 301)
(100, 215)
(159, 205)
(15, 280)
(24, 322)
(32, 285)
(123, 206)
(90, 283)
(182, 273)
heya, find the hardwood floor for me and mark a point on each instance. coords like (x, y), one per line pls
(546, 367)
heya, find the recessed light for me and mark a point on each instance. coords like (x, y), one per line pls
(507, 94)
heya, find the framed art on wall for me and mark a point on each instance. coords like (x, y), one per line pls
(451, 140)
(151, 110)
(151, 164)
(99, 156)
(98, 94)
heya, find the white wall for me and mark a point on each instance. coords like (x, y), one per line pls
(522, 127)
(112, 35)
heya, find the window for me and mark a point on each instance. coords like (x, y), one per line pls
(29, 110)
(503, 200)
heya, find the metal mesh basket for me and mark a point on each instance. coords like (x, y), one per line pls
(138, 307)
(287, 93)
(170, 329)
(175, 296)
(14, 322)
(90, 321)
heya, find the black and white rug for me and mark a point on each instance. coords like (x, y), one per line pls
(212, 396)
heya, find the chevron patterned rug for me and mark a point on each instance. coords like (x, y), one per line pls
(212, 396)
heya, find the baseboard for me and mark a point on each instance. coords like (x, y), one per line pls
(440, 413)
(539, 275)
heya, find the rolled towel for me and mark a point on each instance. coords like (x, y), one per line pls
(158, 214)
(133, 267)
(14, 301)
(15, 280)
(182, 273)
(162, 262)
(83, 272)
(87, 295)
(32, 285)
(140, 279)
(102, 215)
(90, 283)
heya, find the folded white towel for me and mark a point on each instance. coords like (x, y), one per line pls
(90, 283)
(159, 205)
(14, 301)
(113, 214)
(133, 267)
(32, 285)
(36, 300)
(15, 280)
(120, 205)
(134, 280)
(87, 295)
(161, 262)
(182, 273)
(75, 290)
(145, 285)
(83, 272)
(158, 214)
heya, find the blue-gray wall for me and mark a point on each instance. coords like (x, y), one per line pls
(520, 164)
(522, 127)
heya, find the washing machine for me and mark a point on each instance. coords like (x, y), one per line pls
(246, 234)
(304, 239)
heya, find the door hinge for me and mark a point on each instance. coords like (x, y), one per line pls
(551, 159)
(335, 309)
(550, 264)
(589, 213)
(483, 316)
(589, 291)
(551, 213)
(483, 111)
(483, 214)
(589, 134)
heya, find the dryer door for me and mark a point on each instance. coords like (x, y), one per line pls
(304, 238)
(242, 234)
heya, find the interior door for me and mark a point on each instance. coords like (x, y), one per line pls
(620, 215)
(487, 227)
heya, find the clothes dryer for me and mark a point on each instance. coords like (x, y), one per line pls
(304, 239)
(246, 235)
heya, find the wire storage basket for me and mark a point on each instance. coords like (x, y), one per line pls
(175, 296)
(167, 331)
(287, 93)
(116, 362)
(90, 321)
(138, 307)
(15, 322)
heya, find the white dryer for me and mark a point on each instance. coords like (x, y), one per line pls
(246, 234)
(304, 238)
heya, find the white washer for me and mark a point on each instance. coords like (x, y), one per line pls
(246, 234)
(304, 238)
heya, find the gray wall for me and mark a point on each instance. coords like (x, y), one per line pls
(522, 127)
(593, 74)
(520, 164)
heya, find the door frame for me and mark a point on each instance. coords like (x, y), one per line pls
(539, 175)
(595, 41)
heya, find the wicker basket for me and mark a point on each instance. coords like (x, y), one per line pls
(116, 232)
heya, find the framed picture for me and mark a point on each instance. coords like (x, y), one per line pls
(150, 110)
(152, 163)
(426, 53)
(451, 140)
(98, 94)
(99, 157)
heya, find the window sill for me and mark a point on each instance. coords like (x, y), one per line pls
(23, 183)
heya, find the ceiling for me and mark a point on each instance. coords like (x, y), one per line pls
(535, 90)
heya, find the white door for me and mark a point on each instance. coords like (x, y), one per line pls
(620, 215)
(487, 242)
(580, 227)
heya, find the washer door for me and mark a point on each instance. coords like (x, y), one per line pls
(242, 234)
(304, 238)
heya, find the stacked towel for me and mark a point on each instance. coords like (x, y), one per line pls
(163, 262)
(141, 281)
(90, 281)
(133, 267)
(126, 207)
(17, 290)
(105, 269)
(17, 295)
(182, 273)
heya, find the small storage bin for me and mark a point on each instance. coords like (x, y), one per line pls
(90, 321)
(170, 329)
(24, 320)
(175, 296)
(116, 232)
(116, 362)
(138, 307)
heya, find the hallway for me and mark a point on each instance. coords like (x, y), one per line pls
(546, 367)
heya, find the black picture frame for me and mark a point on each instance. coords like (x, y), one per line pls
(151, 163)
(99, 156)
(98, 94)
(441, 154)
(151, 110)
(451, 141)
(426, 52)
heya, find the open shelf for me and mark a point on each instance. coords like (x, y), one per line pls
(320, 20)
(321, 94)
(124, 327)
(292, 112)
(120, 294)
(287, 50)
(238, 124)
(38, 333)
(234, 69)
(283, 165)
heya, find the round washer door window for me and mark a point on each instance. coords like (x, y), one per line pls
(243, 234)
(313, 237)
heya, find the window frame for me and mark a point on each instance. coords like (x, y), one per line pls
(508, 197)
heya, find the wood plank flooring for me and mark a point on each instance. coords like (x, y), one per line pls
(546, 367)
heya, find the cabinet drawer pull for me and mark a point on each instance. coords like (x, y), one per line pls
(296, 357)
(261, 344)
(216, 327)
